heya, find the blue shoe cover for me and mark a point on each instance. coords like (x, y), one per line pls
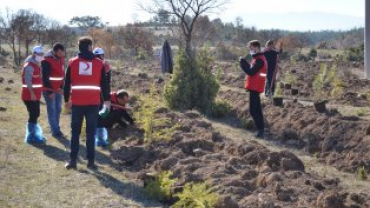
(30, 133)
(101, 137)
(39, 136)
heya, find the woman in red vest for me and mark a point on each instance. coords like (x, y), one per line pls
(101, 134)
(31, 94)
(255, 83)
(53, 78)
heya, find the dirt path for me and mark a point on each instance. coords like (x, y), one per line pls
(34, 176)
(349, 181)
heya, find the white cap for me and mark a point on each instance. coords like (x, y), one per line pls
(98, 51)
(38, 49)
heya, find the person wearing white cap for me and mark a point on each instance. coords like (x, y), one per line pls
(31, 94)
(101, 134)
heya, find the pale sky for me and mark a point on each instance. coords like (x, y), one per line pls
(282, 14)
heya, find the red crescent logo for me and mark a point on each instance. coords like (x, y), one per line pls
(87, 66)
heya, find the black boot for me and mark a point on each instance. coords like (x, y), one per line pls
(260, 134)
(71, 165)
(91, 165)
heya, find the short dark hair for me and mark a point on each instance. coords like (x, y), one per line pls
(84, 43)
(122, 93)
(58, 46)
(254, 43)
(270, 43)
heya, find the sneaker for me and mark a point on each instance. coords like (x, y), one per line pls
(92, 166)
(71, 165)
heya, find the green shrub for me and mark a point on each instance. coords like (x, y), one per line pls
(318, 83)
(141, 56)
(192, 85)
(362, 175)
(3, 52)
(290, 78)
(196, 196)
(330, 78)
(354, 54)
(219, 73)
(312, 53)
(278, 91)
(160, 187)
(155, 129)
(220, 108)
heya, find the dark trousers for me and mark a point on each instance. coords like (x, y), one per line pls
(255, 109)
(33, 108)
(270, 85)
(90, 113)
(115, 116)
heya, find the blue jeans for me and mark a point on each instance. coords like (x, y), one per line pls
(91, 114)
(54, 108)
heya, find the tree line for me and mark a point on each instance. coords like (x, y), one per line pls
(22, 28)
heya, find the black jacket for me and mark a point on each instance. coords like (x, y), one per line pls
(251, 70)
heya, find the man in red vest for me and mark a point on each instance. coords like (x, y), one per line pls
(119, 109)
(255, 83)
(101, 134)
(85, 82)
(31, 94)
(53, 78)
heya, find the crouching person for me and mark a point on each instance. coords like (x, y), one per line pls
(31, 94)
(255, 83)
(117, 115)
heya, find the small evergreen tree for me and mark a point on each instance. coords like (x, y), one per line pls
(189, 88)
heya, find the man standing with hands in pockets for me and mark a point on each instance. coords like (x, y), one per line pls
(52, 78)
(85, 82)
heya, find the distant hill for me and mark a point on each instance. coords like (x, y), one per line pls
(313, 21)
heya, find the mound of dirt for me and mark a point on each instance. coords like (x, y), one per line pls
(305, 73)
(340, 141)
(140, 83)
(244, 174)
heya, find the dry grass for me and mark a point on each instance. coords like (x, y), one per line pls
(33, 176)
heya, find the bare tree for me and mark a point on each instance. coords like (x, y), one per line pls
(203, 31)
(136, 39)
(8, 32)
(187, 12)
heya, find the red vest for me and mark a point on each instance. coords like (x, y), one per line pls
(85, 81)
(36, 82)
(57, 72)
(114, 98)
(257, 81)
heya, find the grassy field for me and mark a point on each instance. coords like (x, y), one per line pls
(34, 176)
